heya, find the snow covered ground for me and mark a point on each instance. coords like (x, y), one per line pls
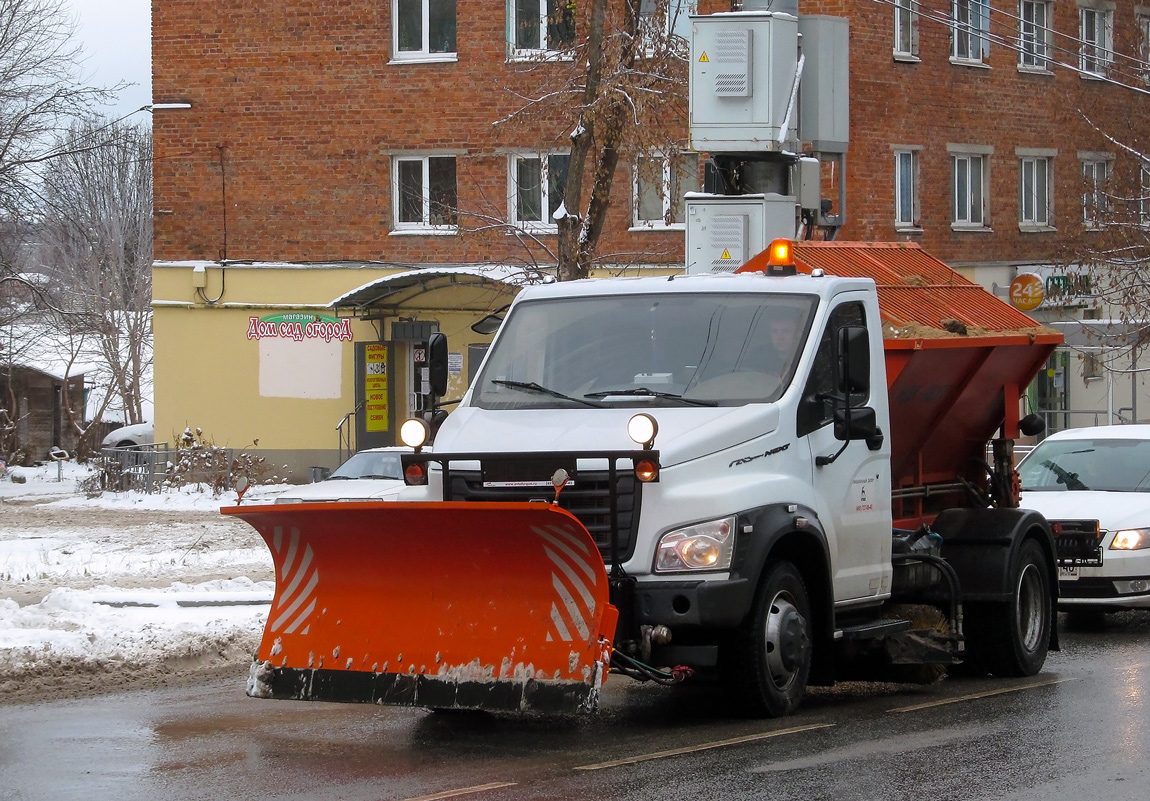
(125, 588)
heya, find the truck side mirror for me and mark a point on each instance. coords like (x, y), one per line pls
(860, 424)
(1031, 425)
(854, 350)
(437, 364)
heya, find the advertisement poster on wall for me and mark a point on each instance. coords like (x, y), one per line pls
(375, 387)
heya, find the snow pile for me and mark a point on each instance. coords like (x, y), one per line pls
(123, 588)
(136, 630)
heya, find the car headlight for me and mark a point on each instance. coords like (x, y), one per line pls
(703, 546)
(1131, 539)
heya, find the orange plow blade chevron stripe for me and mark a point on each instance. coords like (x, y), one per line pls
(454, 605)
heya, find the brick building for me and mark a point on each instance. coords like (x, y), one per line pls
(329, 139)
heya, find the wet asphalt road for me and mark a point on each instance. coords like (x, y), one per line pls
(1080, 730)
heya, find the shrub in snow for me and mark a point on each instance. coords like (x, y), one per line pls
(197, 462)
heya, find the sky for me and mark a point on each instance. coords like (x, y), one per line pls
(117, 39)
(105, 601)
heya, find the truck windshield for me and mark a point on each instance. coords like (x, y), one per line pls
(645, 350)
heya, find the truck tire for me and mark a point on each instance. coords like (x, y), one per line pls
(769, 661)
(1013, 641)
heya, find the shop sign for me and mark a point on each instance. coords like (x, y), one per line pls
(299, 326)
(1026, 292)
(1066, 287)
(1044, 287)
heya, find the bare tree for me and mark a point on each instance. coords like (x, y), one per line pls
(620, 92)
(1114, 246)
(96, 235)
(40, 91)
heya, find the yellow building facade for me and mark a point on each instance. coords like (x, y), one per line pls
(304, 363)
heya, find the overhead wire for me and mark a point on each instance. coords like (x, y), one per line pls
(1137, 71)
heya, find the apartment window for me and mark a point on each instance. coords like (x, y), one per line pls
(970, 30)
(1144, 45)
(906, 28)
(539, 27)
(906, 208)
(424, 29)
(537, 184)
(1096, 30)
(1144, 196)
(1034, 192)
(660, 184)
(672, 16)
(425, 197)
(1092, 367)
(1034, 35)
(1095, 190)
(969, 183)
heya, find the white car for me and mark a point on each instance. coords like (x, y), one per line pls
(370, 475)
(1100, 473)
(130, 436)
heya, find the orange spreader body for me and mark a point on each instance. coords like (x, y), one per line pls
(473, 605)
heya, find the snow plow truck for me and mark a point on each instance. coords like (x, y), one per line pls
(792, 474)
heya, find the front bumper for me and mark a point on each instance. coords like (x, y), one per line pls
(706, 604)
(1104, 593)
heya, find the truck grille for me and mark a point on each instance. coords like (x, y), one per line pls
(588, 498)
(1077, 543)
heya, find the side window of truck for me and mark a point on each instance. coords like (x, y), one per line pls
(816, 410)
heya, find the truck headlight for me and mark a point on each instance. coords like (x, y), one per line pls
(1131, 539)
(703, 546)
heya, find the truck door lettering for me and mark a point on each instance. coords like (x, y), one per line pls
(747, 459)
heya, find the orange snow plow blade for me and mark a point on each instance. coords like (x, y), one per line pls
(500, 606)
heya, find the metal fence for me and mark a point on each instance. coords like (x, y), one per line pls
(137, 467)
(1062, 419)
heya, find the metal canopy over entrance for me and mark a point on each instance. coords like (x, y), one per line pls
(466, 287)
(391, 372)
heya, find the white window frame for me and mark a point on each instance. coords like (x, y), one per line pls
(425, 225)
(542, 51)
(666, 191)
(1034, 35)
(1096, 35)
(1035, 189)
(906, 30)
(1097, 175)
(1142, 18)
(546, 224)
(970, 186)
(425, 52)
(677, 21)
(907, 209)
(1144, 195)
(970, 31)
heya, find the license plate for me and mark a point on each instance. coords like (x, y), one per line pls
(1068, 573)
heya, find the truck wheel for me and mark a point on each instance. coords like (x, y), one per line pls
(1013, 641)
(771, 657)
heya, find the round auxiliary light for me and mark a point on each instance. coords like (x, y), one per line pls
(414, 433)
(646, 470)
(415, 474)
(642, 429)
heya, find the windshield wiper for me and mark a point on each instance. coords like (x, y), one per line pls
(644, 392)
(1064, 476)
(531, 386)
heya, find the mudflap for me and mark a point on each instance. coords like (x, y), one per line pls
(497, 606)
